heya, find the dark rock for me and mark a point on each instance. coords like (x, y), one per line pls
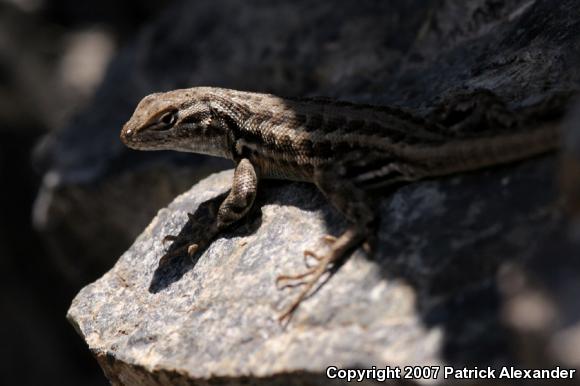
(570, 166)
(542, 292)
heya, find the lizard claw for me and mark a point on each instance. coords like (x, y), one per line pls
(367, 247)
(299, 276)
(308, 253)
(169, 238)
(191, 249)
(170, 255)
(330, 239)
(315, 273)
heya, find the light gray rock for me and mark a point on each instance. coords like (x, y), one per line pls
(217, 317)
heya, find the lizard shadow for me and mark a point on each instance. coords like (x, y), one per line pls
(176, 262)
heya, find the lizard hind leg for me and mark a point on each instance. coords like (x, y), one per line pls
(348, 240)
(328, 239)
(353, 202)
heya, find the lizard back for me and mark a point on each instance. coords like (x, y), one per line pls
(292, 138)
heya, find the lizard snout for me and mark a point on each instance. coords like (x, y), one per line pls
(127, 134)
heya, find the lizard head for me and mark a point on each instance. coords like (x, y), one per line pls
(179, 120)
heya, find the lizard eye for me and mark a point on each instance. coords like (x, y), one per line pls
(168, 118)
(165, 121)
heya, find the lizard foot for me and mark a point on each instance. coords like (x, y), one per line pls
(169, 238)
(185, 248)
(189, 248)
(312, 276)
(328, 239)
(338, 249)
(289, 278)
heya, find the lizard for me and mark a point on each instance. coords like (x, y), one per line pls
(349, 151)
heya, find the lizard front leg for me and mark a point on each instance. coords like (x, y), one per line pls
(241, 197)
(354, 204)
(235, 206)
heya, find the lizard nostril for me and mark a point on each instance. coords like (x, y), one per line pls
(126, 135)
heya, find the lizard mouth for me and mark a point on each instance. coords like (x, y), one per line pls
(138, 139)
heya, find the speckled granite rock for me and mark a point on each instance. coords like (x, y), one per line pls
(428, 296)
(217, 318)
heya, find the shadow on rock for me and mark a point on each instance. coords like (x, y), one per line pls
(198, 230)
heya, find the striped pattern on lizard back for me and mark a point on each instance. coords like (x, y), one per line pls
(292, 138)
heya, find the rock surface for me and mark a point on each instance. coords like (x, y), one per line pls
(217, 317)
(429, 296)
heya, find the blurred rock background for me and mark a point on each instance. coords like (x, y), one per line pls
(53, 54)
